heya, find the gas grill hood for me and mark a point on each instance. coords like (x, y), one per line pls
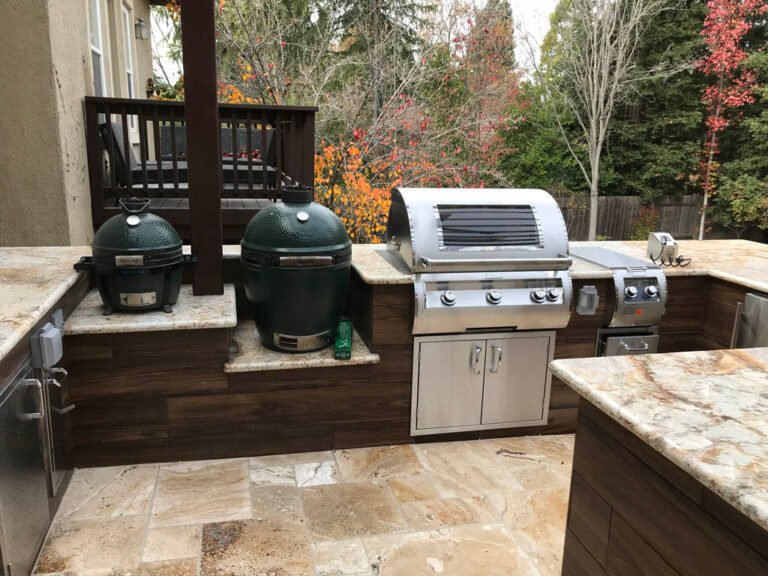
(438, 229)
(482, 259)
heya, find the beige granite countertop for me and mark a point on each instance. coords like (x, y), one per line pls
(32, 279)
(189, 313)
(249, 355)
(705, 411)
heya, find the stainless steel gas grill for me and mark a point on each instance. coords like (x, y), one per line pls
(491, 282)
(482, 259)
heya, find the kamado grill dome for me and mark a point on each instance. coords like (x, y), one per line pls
(137, 260)
(297, 256)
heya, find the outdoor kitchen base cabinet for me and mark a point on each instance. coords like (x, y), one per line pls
(480, 381)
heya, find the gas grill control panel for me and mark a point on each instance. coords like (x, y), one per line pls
(639, 290)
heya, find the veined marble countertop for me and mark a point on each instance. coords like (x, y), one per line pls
(189, 313)
(32, 279)
(705, 411)
(249, 355)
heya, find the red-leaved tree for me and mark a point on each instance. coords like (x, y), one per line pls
(726, 25)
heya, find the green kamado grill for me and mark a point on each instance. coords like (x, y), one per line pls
(297, 256)
(137, 260)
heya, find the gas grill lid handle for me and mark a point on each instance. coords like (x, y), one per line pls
(498, 264)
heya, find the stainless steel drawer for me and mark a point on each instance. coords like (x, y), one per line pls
(628, 345)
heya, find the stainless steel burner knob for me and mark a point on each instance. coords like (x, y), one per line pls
(493, 296)
(538, 295)
(553, 294)
(630, 292)
(448, 298)
(651, 291)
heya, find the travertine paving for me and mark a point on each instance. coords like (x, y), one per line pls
(482, 508)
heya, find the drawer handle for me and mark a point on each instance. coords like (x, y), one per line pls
(629, 348)
(736, 325)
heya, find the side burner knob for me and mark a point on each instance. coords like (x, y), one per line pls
(553, 294)
(493, 296)
(448, 298)
(651, 291)
(538, 295)
(630, 292)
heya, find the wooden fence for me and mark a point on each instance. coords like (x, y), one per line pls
(678, 215)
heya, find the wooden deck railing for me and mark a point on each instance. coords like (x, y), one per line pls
(138, 148)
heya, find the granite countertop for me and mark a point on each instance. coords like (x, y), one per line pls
(705, 411)
(248, 354)
(189, 313)
(32, 279)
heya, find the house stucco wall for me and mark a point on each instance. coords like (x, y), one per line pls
(44, 197)
(45, 71)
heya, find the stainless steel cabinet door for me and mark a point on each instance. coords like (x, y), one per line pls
(450, 383)
(515, 379)
(23, 483)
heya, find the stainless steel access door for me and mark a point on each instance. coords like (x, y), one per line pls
(450, 383)
(516, 380)
(753, 330)
(23, 482)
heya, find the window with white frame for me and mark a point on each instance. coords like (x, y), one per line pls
(97, 48)
(128, 51)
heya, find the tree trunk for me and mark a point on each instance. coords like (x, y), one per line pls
(594, 186)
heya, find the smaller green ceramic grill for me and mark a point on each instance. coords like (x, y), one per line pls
(297, 257)
(137, 260)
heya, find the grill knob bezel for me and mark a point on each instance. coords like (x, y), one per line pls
(493, 296)
(630, 292)
(553, 294)
(651, 292)
(448, 297)
(539, 295)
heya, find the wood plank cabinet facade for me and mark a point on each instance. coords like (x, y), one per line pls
(632, 511)
(150, 397)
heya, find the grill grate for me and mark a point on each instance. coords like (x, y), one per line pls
(492, 225)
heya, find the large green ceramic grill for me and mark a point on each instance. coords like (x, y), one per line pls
(137, 260)
(297, 256)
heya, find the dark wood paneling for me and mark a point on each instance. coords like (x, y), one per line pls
(589, 518)
(630, 555)
(392, 315)
(720, 310)
(578, 561)
(686, 297)
(667, 510)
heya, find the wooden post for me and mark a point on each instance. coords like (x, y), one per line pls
(198, 42)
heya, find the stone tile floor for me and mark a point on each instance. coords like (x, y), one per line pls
(484, 508)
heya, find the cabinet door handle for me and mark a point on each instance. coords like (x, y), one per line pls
(736, 325)
(474, 359)
(59, 375)
(39, 387)
(496, 359)
(63, 410)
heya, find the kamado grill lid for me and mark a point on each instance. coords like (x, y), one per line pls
(295, 227)
(137, 232)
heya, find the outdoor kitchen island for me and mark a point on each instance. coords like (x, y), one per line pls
(670, 467)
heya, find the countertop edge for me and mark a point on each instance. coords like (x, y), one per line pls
(656, 441)
(9, 342)
(233, 368)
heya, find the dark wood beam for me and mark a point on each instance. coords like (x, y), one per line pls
(198, 40)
